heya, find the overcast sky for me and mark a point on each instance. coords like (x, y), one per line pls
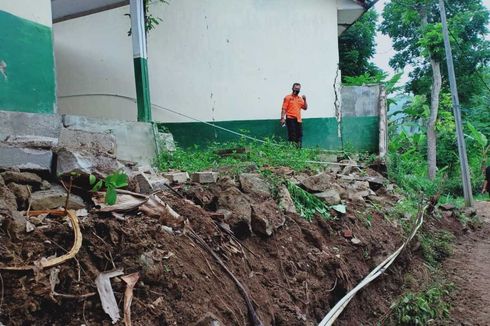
(384, 50)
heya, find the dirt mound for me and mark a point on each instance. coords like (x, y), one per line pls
(294, 271)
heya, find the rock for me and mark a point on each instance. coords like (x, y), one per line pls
(177, 177)
(148, 183)
(2, 182)
(32, 141)
(331, 197)
(45, 185)
(165, 142)
(469, 211)
(318, 183)
(7, 199)
(25, 158)
(71, 161)
(209, 320)
(89, 142)
(359, 186)
(377, 200)
(286, 203)
(349, 167)
(356, 241)
(204, 177)
(347, 233)
(226, 182)
(25, 178)
(54, 198)
(14, 223)
(22, 194)
(448, 207)
(252, 183)
(234, 200)
(358, 196)
(266, 218)
(377, 182)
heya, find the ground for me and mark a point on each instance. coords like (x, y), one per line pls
(468, 269)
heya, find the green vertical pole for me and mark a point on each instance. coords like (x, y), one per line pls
(140, 60)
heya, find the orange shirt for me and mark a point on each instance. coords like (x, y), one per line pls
(292, 105)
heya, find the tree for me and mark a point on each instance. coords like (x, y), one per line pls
(357, 46)
(416, 31)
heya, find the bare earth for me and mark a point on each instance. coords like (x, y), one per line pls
(469, 270)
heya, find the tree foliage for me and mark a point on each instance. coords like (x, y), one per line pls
(467, 20)
(357, 47)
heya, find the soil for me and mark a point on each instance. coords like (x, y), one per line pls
(468, 269)
(293, 277)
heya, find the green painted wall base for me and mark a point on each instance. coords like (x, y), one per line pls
(27, 83)
(358, 133)
(142, 89)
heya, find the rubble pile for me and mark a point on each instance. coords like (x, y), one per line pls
(205, 248)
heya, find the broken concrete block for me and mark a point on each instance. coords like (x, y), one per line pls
(165, 142)
(266, 218)
(253, 183)
(318, 183)
(285, 201)
(70, 161)
(177, 177)
(22, 194)
(25, 178)
(54, 198)
(204, 177)
(148, 183)
(32, 141)
(90, 142)
(331, 197)
(234, 200)
(25, 158)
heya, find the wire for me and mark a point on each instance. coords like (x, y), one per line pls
(159, 107)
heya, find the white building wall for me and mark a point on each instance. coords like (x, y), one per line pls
(38, 11)
(210, 59)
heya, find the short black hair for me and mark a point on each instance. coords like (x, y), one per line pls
(296, 84)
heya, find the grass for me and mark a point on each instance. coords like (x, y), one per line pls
(436, 246)
(424, 307)
(271, 153)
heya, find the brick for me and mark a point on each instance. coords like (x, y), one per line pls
(204, 177)
(177, 177)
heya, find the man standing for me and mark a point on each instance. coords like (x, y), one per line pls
(291, 114)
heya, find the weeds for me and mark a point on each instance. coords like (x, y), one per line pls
(113, 181)
(424, 307)
(269, 153)
(436, 246)
(307, 204)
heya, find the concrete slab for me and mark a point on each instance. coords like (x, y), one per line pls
(25, 158)
(22, 124)
(93, 142)
(204, 177)
(135, 140)
(177, 177)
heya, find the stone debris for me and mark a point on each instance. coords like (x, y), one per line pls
(146, 183)
(23, 158)
(72, 161)
(252, 183)
(266, 218)
(233, 200)
(286, 203)
(32, 141)
(21, 193)
(25, 178)
(204, 177)
(177, 177)
(54, 198)
(331, 197)
(318, 183)
(88, 142)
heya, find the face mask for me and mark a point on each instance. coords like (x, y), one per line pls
(295, 92)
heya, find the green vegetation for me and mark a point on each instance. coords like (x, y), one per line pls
(268, 154)
(307, 205)
(424, 307)
(436, 246)
(113, 181)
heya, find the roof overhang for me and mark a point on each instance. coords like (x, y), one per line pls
(69, 9)
(349, 11)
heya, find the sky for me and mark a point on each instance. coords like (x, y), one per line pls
(384, 50)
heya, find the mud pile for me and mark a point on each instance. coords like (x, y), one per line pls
(291, 270)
